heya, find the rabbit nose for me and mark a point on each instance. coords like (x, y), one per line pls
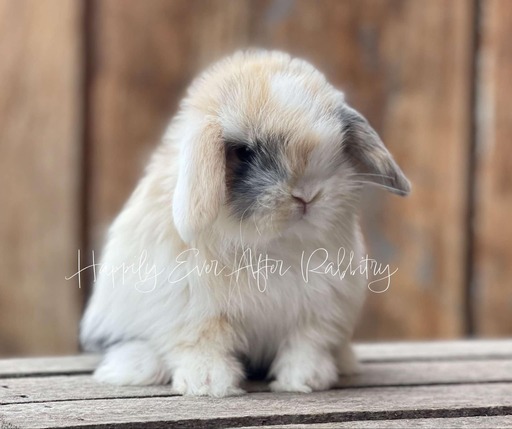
(302, 201)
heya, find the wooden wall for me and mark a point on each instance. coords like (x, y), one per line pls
(491, 288)
(40, 145)
(86, 88)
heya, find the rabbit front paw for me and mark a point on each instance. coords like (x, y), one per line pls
(201, 376)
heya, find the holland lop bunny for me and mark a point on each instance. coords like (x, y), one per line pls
(204, 274)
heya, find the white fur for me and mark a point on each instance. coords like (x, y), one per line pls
(189, 325)
(132, 363)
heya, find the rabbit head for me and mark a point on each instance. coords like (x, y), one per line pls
(269, 147)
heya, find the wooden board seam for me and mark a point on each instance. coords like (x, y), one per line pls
(283, 419)
(249, 394)
(45, 374)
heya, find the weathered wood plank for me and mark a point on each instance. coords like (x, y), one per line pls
(482, 422)
(375, 352)
(83, 387)
(405, 64)
(267, 408)
(492, 294)
(60, 388)
(423, 373)
(435, 350)
(23, 367)
(40, 129)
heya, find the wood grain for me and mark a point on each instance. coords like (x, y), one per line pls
(481, 422)
(448, 392)
(434, 350)
(40, 171)
(78, 387)
(492, 283)
(44, 366)
(268, 408)
(406, 66)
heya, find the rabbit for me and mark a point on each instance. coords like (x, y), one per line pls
(202, 277)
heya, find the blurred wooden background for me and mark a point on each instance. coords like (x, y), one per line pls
(86, 87)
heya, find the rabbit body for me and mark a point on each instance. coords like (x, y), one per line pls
(237, 249)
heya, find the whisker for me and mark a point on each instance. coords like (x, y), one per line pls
(389, 188)
(370, 174)
(256, 226)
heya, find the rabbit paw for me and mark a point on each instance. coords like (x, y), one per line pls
(208, 377)
(304, 370)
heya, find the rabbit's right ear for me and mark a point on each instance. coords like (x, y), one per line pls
(200, 188)
(368, 154)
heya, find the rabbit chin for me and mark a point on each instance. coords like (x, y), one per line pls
(270, 228)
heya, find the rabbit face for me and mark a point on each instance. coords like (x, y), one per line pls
(276, 150)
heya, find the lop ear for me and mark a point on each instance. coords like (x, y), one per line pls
(364, 148)
(200, 188)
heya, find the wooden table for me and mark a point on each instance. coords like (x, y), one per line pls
(440, 384)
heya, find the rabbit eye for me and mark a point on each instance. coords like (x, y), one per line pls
(244, 154)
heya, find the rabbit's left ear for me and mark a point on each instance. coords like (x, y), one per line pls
(200, 188)
(367, 153)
